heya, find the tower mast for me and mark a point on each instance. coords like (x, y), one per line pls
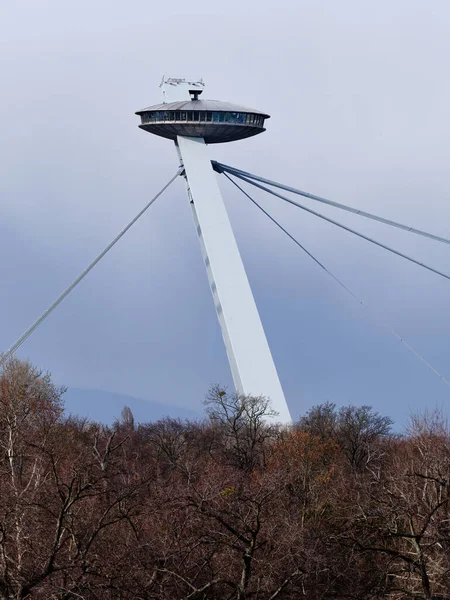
(192, 123)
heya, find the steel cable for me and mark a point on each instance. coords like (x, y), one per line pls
(342, 226)
(233, 171)
(342, 284)
(89, 268)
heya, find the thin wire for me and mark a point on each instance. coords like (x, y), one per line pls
(350, 209)
(349, 229)
(342, 284)
(67, 291)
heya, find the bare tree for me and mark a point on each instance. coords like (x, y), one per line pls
(358, 430)
(320, 421)
(246, 423)
(127, 418)
(63, 487)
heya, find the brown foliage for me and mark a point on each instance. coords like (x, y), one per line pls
(230, 508)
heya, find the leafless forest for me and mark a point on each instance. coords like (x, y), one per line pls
(337, 507)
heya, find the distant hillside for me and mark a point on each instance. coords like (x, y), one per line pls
(105, 407)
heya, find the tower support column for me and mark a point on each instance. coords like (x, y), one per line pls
(248, 351)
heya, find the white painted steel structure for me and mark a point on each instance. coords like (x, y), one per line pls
(247, 348)
(248, 351)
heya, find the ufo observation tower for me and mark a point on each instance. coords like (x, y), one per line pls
(193, 123)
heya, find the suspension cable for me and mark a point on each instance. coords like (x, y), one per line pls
(233, 171)
(342, 284)
(342, 226)
(89, 268)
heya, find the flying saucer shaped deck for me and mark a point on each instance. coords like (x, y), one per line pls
(215, 121)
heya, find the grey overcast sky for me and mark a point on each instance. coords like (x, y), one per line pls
(359, 95)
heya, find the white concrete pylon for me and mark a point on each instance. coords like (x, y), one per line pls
(248, 351)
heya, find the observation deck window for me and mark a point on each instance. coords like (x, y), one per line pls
(203, 116)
